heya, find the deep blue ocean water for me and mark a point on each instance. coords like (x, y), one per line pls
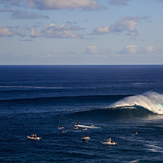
(120, 100)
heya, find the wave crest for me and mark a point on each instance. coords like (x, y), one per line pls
(150, 100)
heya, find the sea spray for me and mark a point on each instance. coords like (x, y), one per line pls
(149, 100)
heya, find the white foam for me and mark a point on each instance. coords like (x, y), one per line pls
(149, 100)
(133, 161)
(155, 148)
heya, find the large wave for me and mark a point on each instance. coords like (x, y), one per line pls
(151, 101)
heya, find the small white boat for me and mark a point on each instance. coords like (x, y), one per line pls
(33, 137)
(109, 143)
(84, 126)
(86, 138)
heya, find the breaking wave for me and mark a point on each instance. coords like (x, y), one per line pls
(151, 101)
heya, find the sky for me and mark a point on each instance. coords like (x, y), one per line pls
(81, 32)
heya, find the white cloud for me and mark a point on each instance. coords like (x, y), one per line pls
(92, 49)
(34, 33)
(69, 4)
(55, 4)
(133, 49)
(118, 2)
(101, 30)
(124, 24)
(53, 31)
(6, 32)
(50, 31)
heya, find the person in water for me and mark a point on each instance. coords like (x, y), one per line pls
(91, 124)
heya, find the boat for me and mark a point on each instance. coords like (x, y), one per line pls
(86, 138)
(108, 142)
(34, 137)
(84, 126)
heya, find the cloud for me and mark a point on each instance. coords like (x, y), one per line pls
(6, 32)
(118, 2)
(92, 49)
(124, 24)
(23, 14)
(27, 15)
(53, 31)
(50, 31)
(69, 4)
(6, 10)
(133, 49)
(56, 4)
(101, 30)
(34, 33)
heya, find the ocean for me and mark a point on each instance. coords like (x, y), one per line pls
(124, 103)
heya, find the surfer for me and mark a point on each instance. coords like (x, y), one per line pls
(91, 124)
(78, 123)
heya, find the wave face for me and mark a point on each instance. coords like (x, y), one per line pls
(147, 105)
(113, 114)
(150, 100)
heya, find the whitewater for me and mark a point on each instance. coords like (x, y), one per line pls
(150, 100)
